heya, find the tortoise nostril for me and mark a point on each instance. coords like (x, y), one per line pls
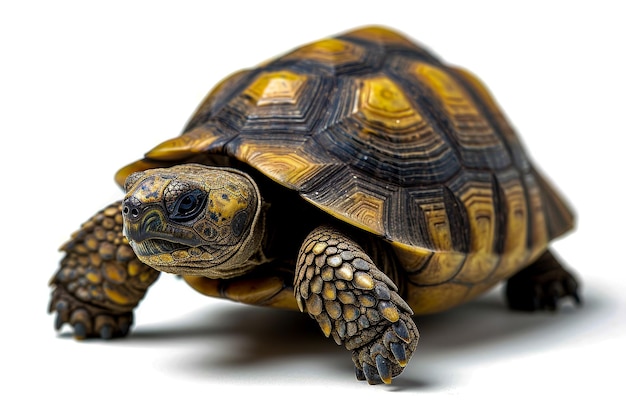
(131, 207)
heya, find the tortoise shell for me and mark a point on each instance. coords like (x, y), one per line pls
(379, 133)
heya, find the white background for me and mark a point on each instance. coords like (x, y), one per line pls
(85, 89)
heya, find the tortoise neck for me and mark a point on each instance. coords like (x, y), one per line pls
(250, 259)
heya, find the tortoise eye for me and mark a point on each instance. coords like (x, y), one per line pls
(188, 206)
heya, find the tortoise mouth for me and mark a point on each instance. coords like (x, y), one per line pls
(156, 246)
(172, 257)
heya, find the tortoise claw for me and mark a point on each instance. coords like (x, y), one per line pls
(401, 331)
(62, 314)
(371, 374)
(359, 374)
(399, 352)
(87, 321)
(80, 332)
(58, 322)
(384, 369)
(571, 289)
(106, 332)
(124, 325)
(387, 355)
(541, 286)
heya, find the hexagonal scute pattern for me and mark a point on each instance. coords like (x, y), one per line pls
(378, 132)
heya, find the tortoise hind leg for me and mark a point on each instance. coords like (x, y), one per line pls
(541, 285)
(100, 280)
(356, 303)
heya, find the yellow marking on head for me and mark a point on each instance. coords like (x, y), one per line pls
(381, 101)
(180, 254)
(226, 202)
(166, 258)
(149, 190)
(281, 87)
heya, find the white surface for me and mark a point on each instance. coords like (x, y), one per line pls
(86, 89)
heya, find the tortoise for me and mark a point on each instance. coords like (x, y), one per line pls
(358, 178)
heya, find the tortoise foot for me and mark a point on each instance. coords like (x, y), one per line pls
(386, 356)
(356, 303)
(541, 286)
(100, 280)
(87, 321)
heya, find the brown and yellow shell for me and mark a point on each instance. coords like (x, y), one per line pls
(378, 132)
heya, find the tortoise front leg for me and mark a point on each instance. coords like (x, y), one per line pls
(352, 300)
(100, 280)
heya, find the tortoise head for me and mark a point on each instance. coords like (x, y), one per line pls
(192, 219)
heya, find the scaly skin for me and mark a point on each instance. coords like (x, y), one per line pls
(541, 285)
(100, 280)
(356, 303)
